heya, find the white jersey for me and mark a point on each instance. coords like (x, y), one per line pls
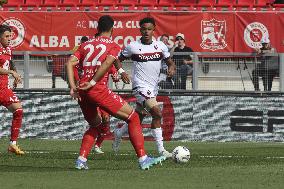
(147, 61)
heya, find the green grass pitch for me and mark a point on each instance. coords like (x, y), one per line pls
(50, 164)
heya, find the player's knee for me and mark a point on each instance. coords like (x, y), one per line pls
(18, 114)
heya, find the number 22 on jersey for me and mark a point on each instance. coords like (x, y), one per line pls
(93, 52)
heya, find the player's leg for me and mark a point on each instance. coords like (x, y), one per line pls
(103, 130)
(119, 108)
(123, 130)
(13, 104)
(94, 120)
(156, 126)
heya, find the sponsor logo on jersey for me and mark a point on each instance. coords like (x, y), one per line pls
(147, 57)
(213, 33)
(253, 34)
(18, 31)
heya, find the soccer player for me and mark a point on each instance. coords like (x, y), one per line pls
(7, 97)
(94, 58)
(147, 56)
(105, 116)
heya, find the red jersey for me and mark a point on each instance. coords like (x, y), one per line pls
(92, 54)
(5, 57)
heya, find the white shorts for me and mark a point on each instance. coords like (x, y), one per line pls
(143, 94)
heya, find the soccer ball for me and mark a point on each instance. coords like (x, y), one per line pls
(181, 154)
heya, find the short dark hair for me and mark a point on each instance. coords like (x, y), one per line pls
(84, 39)
(105, 23)
(165, 35)
(147, 20)
(4, 28)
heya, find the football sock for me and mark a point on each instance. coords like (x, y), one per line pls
(88, 141)
(99, 140)
(13, 142)
(16, 124)
(82, 158)
(124, 129)
(135, 134)
(157, 133)
(141, 159)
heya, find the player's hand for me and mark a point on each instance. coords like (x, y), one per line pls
(17, 77)
(75, 94)
(85, 86)
(125, 78)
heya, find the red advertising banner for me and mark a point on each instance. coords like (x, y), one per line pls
(204, 32)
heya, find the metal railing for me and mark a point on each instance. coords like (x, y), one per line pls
(211, 71)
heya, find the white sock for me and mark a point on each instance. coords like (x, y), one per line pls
(124, 129)
(141, 159)
(157, 133)
(13, 142)
(82, 158)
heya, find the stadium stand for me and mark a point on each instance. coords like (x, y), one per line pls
(14, 3)
(32, 3)
(141, 5)
(205, 3)
(244, 3)
(51, 3)
(69, 3)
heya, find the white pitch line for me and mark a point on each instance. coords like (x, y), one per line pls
(125, 154)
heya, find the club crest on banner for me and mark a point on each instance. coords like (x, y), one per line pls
(253, 34)
(213, 34)
(18, 31)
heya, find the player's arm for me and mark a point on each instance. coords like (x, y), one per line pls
(15, 75)
(171, 67)
(102, 70)
(124, 76)
(72, 62)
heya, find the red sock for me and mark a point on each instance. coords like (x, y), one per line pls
(88, 141)
(16, 124)
(135, 134)
(99, 140)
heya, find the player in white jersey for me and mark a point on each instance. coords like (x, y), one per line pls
(147, 55)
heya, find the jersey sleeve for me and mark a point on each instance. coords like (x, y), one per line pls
(78, 53)
(165, 51)
(115, 51)
(126, 52)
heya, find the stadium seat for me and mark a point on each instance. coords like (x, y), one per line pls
(225, 3)
(127, 4)
(14, 3)
(89, 3)
(205, 3)
(166, 3)
(108, 2)
(262, 3)
(51, 3)
(149, 4)
(244, 3)
(185, 3)
(33, 3)
(69, 3)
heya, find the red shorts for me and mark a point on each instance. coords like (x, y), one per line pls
(7, 97)
(99, 96)
(102, 112)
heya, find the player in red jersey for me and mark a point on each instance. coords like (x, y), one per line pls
(7, 97)
(94, 59)
(105, 116)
